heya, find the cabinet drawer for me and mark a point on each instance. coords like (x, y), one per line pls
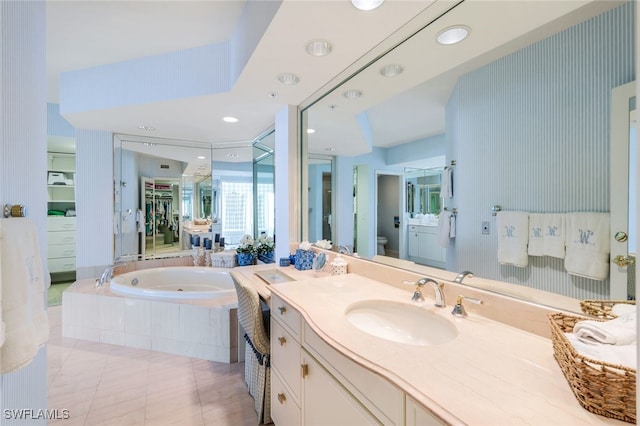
(380, 397)
(62, 265)
(61, 250)
(61, 223)
(61, 237)
(287, 315)
(284, 410)
(285, 357)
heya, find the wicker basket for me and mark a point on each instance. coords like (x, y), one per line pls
(601, 388)
(602, 308)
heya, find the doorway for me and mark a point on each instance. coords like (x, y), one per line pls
(389, 202)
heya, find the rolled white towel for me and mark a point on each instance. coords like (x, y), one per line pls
(612, 354)
(618, 331)
(621, 309)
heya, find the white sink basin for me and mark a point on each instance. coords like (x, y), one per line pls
(401, 322)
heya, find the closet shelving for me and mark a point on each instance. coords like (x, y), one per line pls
(161, 215)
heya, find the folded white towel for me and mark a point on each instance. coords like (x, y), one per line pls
(446, 188)
(444, 228)
(620, 309)
(554, 235)
(618, 331)
(536, 234)
(588, 245)
(23, 303)
(623, 355)
(513, 237)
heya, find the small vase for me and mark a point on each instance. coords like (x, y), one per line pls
(244, 259)
(304, 259)
(267, 257)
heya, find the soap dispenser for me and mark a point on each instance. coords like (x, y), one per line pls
(338, 265)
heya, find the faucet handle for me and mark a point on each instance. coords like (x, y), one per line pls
(459, 310)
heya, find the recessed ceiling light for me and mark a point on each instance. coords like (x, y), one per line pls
(318, 47)
(232, 155)
(453, 35)
(366, 4)
(310, 131)
(352, 94)
(273, 95)
(229, 119)
(330, 149)
(146, 128)
(149, 144)
(288, 79)
(391, 70)
(201, 157)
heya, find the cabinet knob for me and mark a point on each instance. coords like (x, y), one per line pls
(282, 310)
(282, 341)
(282, 398)
(305, 370)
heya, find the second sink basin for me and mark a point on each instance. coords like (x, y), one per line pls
(401, 322)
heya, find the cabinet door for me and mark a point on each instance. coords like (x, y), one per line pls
(429, 247)
(418, 416)
(414, 243)
(326, 402)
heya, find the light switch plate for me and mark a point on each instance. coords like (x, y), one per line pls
(485, 228)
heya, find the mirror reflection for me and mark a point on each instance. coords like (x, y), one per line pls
(167, 191)
(524, 114)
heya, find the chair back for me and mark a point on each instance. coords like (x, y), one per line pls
(250, 316)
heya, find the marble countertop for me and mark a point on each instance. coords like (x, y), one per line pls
(491, 373)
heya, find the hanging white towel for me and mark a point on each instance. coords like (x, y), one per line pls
(446, 188)
(452, 226)
(444, 228)
(513, 237)
(554, 235)
(588, 245)
(536, 234)
(23, 302)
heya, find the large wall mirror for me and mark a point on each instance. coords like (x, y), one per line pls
(167, 191)
(521, 116)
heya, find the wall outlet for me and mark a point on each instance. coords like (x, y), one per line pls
(485, 228)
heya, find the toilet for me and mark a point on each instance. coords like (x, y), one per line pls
(381, 243)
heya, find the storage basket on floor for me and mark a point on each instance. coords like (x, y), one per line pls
(601, 388)
(602, 308)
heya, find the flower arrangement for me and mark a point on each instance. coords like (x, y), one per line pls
(264, 244)
(247, 244)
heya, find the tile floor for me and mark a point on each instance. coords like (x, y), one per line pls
(101, 384)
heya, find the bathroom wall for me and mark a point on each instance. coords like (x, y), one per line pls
(23, 164)
(531, 132)
(94, 201)
(389, 193)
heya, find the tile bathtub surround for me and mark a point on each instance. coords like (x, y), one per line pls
(103, 384)
(205, 329)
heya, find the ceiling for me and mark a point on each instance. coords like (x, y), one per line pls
(85, 34)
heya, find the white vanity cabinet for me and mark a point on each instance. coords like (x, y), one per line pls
(313, 384)
(424, 247)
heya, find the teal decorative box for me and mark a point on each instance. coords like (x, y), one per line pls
(304, 259)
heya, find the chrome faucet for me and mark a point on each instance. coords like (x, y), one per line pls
(461, 276)
(417, 294)
(108, 273)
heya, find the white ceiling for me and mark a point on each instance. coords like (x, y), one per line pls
(90, 33)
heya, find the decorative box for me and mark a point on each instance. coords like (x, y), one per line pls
(304, 259)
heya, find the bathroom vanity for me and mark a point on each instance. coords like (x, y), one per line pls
(325, 370)
(424, 247)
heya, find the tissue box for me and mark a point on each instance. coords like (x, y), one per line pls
(304, 259)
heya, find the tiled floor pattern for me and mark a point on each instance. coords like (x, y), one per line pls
(102, 384)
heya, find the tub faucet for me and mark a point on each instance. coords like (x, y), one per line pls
(108, 273)
(461, 276)
(437, 287)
